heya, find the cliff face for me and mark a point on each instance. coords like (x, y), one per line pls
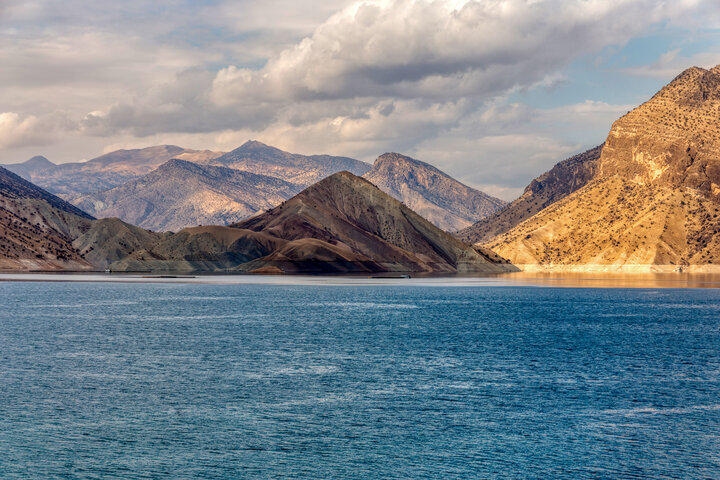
(673, 140)
(436, 196)
(181, 194)
(654, 197)
(563, 179)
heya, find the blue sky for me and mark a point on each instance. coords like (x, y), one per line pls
(492, 91)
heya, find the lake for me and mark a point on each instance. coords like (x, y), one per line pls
(184, 380)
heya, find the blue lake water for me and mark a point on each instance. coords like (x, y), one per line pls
(101, 380)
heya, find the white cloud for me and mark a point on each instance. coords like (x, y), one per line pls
(17, 131)
(439, 49)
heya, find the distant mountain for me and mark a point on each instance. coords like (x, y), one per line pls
(12, 186)
(436, 196)
(40, 231)
(340, 224)
(181, 194)
(104, 172)
(31, 167)
(554, 185)
(654, 200)
(302, 170)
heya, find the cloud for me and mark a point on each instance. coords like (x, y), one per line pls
(444, 80)
(672, 62)
(439, 49)
(16, 131)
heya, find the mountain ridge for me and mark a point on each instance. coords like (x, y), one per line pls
(432, 193)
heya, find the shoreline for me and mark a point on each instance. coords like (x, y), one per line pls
(544, 278)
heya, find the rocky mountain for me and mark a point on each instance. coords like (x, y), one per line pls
(102, 173)
(181, 194)
(256, 157)
(39, 231)
(554, 185)
(436, 196)
(340, 224)
(654, 201)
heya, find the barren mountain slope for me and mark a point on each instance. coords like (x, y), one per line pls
(106, 171)
(436, 196)
(39, 231)
(550, 187)
(303, 170)
(345, 223)
(655, 198)
(180, 194)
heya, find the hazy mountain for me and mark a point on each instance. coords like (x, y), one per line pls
(431, 193)
(31, 167)
(104, 172)
(563, 179)
(43, 232)
(181, 194)
(303, 170)
(655, 197)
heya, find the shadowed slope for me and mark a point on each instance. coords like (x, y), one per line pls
(349, 220)
(554, 185)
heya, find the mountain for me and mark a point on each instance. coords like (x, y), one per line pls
(14, 187)
(345, 223)
(31, 167)
(654, 201)
(436, 196)
(40, 231)
(256, 157)
(104, 172)
(562, 180)
(180, 194)
(342, 224)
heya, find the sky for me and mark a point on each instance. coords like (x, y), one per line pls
(493, 92)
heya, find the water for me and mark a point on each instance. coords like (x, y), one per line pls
(101, 380)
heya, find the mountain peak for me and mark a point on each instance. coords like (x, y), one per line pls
(38, 161)
(432, 193)
(346, 222)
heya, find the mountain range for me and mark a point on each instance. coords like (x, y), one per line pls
(647, 199)
(72, 180)
(180, 194)
(145, 188)
(342, 224)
